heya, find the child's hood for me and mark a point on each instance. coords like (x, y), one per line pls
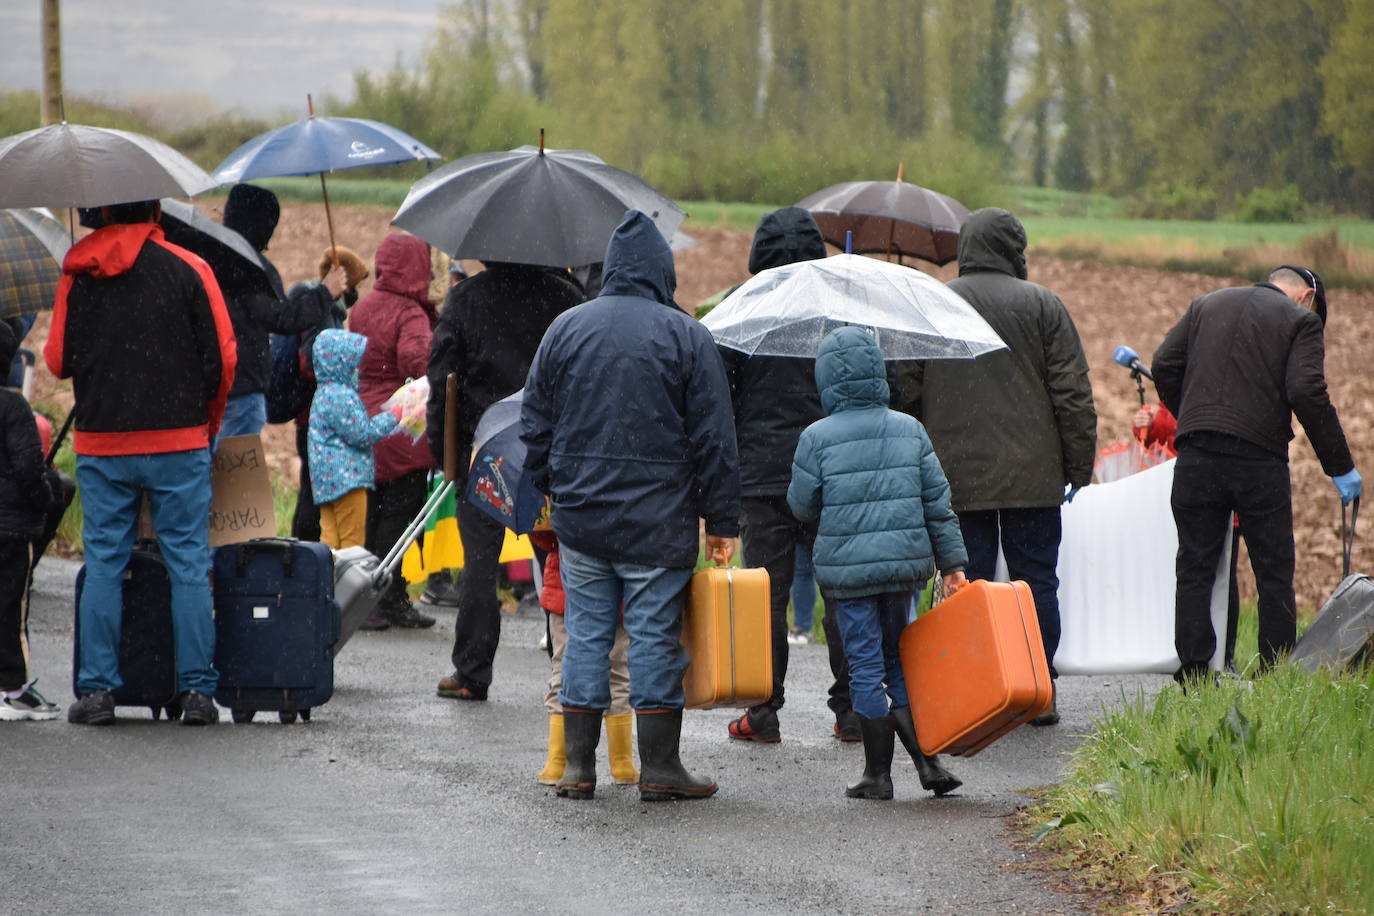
(337, 355)
(849, 371)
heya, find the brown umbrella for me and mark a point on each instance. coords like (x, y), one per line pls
(889, 217)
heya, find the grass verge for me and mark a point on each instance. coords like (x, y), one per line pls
(1249, 797)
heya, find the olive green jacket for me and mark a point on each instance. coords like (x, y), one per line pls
(1012, 428)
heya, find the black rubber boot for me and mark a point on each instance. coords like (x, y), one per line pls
(934, 777)
(662, 777)
(581, 734)
(876, 782)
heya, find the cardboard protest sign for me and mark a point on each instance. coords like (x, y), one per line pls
(242, 507)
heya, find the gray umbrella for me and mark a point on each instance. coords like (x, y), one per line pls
(556, 208)
(72, 165)
(237, 267)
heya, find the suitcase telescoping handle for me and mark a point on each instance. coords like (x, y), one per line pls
(1348, 534)
(393, 556)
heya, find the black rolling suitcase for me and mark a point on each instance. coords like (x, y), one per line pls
(276, 622)
(147, 650)
(1342, 636)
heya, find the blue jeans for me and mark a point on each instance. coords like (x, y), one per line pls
(872, 627)
(1030, 542)
(653, 598)
(244, 415)
(803, 589)
(178, 488)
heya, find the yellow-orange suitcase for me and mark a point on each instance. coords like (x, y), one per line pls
(975, 667)
(726, 631)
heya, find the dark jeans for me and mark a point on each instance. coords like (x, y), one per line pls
(15, 570)
(391, 507)
(305, 523)
(872, 627)
(477, 629)
(1208, 487)
(1030, 542)
(771, 533)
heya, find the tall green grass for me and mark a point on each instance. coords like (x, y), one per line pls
(1247, 797)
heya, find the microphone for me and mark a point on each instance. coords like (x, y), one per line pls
(1127, 357)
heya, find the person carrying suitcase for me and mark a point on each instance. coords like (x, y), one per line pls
(141, 329)
(870, 478)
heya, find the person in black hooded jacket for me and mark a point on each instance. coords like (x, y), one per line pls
(253, 212)
(774, 399)
(626, 428)
(25, 497)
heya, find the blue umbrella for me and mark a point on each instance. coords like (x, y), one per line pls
(318, 145)
(497, 483)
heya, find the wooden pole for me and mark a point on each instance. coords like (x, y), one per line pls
(451, 468)
(52, 63)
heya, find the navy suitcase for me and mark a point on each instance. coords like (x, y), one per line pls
(276, 622)
(147, 652)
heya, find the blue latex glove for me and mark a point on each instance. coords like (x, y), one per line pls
(1348, 485)
(1073, 491)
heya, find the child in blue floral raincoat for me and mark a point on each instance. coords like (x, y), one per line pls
(341, 439)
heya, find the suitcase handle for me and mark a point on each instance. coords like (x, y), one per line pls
(1348, 534)
(284, 546)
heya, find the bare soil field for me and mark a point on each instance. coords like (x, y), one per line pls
(1111, 306)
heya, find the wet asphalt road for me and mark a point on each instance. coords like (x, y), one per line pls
(395, 801)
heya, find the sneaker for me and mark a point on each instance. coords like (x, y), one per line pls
(96, 708)
(440, 590)
(798, 637)
(451, 689)
(198, 709)
(762, 728)
(406, 617)
(28, 705)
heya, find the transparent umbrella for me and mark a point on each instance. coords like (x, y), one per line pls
(788, 310)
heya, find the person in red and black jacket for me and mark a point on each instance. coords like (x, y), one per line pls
(141, 329)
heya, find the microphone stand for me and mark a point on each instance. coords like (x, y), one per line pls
(1139, 385)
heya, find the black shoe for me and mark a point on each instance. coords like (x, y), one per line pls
(405, 615)
(95, 708)
(440, 590)
(581, 735)
(934, 778)
(198, 709)
(662, 777)
(847, 726)
(876, 782)
(1051, 715)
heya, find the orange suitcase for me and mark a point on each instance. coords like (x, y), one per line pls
(975, 667)
(726, 631)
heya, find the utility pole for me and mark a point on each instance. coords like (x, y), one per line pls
(52, 63)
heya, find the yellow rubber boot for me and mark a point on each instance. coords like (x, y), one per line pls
(619, 745)
(558, 752)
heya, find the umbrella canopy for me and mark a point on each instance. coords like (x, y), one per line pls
(71, 165)
(788, 310)
(320, 144)
(497, 483)
(889, 217)
(237, 267)
(32, 246)
(556, 208)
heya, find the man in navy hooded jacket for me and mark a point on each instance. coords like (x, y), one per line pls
(628, 427)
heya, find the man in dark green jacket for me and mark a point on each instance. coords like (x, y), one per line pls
(1015, 427)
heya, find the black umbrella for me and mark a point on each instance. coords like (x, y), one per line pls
(237, 267)
(72, 165)
(530, 205)
(889, 217)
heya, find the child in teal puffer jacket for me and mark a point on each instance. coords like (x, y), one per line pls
(341, 438)
(870, 475)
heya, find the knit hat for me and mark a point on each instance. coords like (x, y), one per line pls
(354, 267)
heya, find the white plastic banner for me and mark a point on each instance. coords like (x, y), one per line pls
(1116, 579)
